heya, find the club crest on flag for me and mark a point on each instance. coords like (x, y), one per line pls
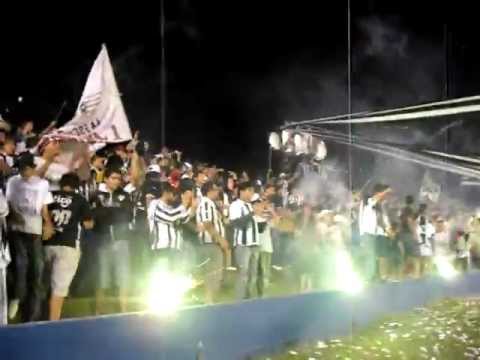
(100, 116)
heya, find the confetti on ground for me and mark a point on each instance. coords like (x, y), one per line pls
(447, 330)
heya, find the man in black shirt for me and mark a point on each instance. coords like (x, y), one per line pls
(69, 212)
(112, 210)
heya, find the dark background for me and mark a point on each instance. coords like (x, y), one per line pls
(236, 69)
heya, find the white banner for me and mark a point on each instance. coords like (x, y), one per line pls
(100, 117)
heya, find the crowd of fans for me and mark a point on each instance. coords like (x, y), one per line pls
(197, 218)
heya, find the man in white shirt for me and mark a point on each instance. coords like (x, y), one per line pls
(246, 241)
(212, 239)
(373, 226)
(165, 222)
(28, 197)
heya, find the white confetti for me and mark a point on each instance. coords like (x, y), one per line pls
(291, 352)
(321, 345)
(424, 349)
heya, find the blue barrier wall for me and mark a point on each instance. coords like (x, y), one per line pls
(230, 331)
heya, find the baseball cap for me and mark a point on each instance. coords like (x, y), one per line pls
(153, 169)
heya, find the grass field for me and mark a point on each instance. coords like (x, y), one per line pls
(447, 330)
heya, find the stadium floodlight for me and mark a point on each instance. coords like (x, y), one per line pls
(445, 268)
(167, 291)
(347, 280)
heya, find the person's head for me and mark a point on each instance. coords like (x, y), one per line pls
(167, 193)
(9, 145)
(26, 165)
(98, 160)
(269, 190)
(246, 191)
(212, 172)
(422, 209)
(231, 182)
(186, 189)
(121, 151)
(69, 182)
(113, 178)
(380, 188)
(199, 177)
(114, 162)
(210, 190)
(409, 200)
(26, 127)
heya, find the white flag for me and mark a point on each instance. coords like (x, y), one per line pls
(100, 116)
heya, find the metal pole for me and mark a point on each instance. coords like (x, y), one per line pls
(163, 77)
(349, 112)
(446, 76)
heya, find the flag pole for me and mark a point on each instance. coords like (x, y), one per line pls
(163, 77)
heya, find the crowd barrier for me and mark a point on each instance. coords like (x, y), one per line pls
(229, 331)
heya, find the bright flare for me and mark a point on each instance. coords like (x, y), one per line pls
(445, 268)
(167, 291)
(347, 280)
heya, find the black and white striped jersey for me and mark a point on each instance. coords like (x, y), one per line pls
(165, 225)
(207, 212)
(245, 227)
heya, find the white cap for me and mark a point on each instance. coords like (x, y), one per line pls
(153, 168)
(255, 198)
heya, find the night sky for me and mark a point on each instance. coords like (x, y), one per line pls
(236, 69)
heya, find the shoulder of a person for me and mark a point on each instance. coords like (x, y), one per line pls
(14, 179)
(237, 202)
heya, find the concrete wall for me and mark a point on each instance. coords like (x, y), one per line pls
(230, 331)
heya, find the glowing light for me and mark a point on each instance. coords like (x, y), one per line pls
(347, 280)
(445, 268)
(167, 292)
(20, 99)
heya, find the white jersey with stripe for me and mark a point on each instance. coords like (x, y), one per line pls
(246, 235)
(165, 222)
(207, 212)
(425, 236)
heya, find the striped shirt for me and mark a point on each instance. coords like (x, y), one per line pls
(246, 230)
(165, 225)
(207, 212)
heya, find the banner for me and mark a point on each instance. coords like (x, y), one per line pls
(430, 190)
(100, 116)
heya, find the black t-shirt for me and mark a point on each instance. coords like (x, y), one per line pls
(113, 214)
(68, 211)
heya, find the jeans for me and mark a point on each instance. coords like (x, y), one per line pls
(114, 256)
(265, 266)
(247, 259)
(29, 265)
(280, 242)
